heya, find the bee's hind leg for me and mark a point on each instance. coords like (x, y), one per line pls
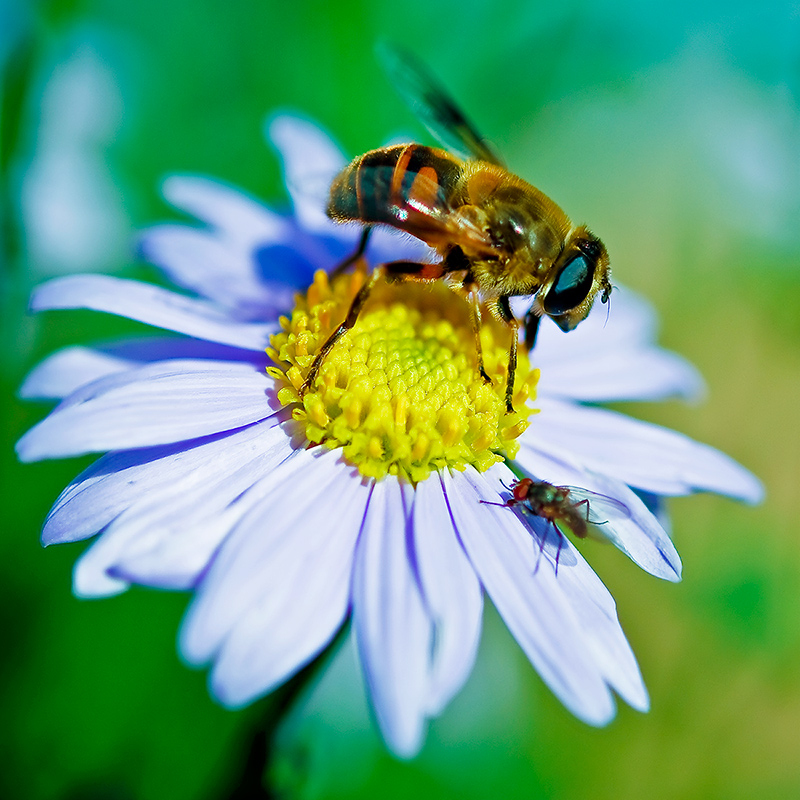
(392, 272)
(353, 257)
(352, 315)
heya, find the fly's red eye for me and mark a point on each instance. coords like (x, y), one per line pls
(521, 488)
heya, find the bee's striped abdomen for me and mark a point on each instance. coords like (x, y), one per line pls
(388, 185)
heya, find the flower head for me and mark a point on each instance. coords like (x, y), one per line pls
(377, 496)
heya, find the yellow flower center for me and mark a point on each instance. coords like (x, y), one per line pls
(400, 392)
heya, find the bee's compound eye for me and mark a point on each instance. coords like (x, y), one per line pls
(572, 285)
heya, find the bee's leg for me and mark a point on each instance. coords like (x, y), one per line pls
(456, 261)
(351, 259)
(396, 271)
(508, 317)
(532, 321)
(392, 272)
(475, 318)
(350, 320)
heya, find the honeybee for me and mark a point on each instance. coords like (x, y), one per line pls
(566, 508)
(498, 237)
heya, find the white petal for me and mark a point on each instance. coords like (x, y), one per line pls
(451, 590)
(204, 263)
(310, 162)
(393, 631)
(611, 356)
(165, 402)
(89, 576)
(236, 216)
(597, 614)
(594, 606)
(627, 321)
(304, 588)
(144, 349)
(67, 370)
(119, 481)
(529, 598)
(151, 305)
(284, 518)
(169, 537)
(640, 454)
(627, 374)
(640, 535)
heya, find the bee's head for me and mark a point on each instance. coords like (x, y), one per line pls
(577, 275)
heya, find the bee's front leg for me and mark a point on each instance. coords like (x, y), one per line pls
(504, 309)
(532, 320)
(475, 318)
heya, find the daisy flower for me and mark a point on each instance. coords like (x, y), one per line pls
(373, 497)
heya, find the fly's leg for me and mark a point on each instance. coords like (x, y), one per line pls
(585, 502)
(541, 550)
(560, 545)
(351, 259)
(508, 317)
(542, 541)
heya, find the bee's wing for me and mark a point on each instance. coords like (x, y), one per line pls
(602, 512)
(434, 107)
(417, 205)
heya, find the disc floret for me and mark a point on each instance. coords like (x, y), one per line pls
(400, 393)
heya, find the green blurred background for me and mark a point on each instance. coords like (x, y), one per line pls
(673, 128)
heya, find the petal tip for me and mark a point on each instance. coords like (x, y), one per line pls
(192, 648)
(674, 571)
(233, 694)
(283, 123)
(93, 586)
(26, 450)
(752, 490)
(405, 745)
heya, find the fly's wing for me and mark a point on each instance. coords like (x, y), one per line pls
(415, 203)
(601, 514)
(434, 107)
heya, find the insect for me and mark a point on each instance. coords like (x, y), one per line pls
(497, 236)
(566, 508)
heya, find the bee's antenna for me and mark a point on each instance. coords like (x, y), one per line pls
(608, 309)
